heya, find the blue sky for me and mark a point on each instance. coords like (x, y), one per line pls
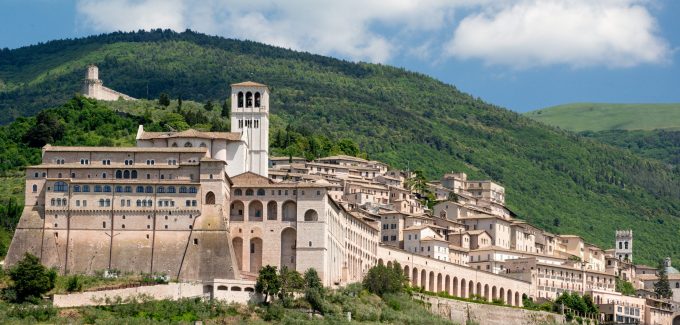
(519, 54)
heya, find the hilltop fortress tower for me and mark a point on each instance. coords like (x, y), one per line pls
(624, 245)
(94, 88)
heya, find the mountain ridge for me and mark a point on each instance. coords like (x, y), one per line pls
(558, 180)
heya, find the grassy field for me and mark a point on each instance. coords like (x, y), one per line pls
(600, 117)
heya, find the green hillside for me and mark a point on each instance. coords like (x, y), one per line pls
(602, 117)
(556, 179)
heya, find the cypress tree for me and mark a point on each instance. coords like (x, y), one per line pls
(662, 287)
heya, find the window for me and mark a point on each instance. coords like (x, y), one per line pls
(187, 203)
(183, 189)
(171, 189)
(192, 190)
(60, 187)
(160, 189)
(134, 174)
(86, 188)
(260, 192)
(149, 189)
(126, 174)
(35, 188)
(119, 189)
(140, 189)
(128, 189)
(103, 175)
(107, 188)
(238, 192)
(119, 174)
(249, 192)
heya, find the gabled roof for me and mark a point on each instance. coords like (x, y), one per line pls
(248, 84)
(250, 179)
(191, 133)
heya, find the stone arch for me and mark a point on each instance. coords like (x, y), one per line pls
(414, 277)
(235, 288)
(272, 213)
(236, 211)
(289, 211)
(431, 282)
(406, 272)
(471, 288)
(518, 302)
(223, 288)
(237, 244)
(380, 261)
(311, 215)
(255, 211)
(479, 289)
(255, 251)
(288, 245)
(423, 279)
(463, 287)
(257, 99)
(508, 299)
(486, 293)
(494, 293)
(454, 290)
(439, 282)
(249, 99)
(676, 320)
(210, 198)
(239, 99)
(447, 284)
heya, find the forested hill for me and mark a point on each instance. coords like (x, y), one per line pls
(555, 179)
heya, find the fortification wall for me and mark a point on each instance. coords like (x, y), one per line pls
(463, 312)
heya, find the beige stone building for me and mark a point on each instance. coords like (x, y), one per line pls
(94, 88)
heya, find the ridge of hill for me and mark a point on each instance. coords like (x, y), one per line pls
(558, 180)
(596, 117)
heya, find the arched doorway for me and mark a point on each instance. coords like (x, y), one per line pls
(237, 243)
(255, 211)
(463, 287)
(255, 255)
(288, 240)
(210, 198)
(414, 277)
(271, 210)
(289, 211)
(236, 211)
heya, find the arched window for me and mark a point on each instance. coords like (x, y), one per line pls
(192, 190)
(311, 215)
(52, 202)
(139, 203)
(35, 175)
(249, 192)
(183, 189)
(188, 144)
(76, 188)
(119, 189)
(174, 144)
(119, 174)
(60, 187)
(260, 192)
(210, 198)
(160, 189)
(107, 188)
(249, 99)
(134, 174)
(140, 189)
(239, 100)
(149, 203)
(86, 188)
(126, 174)
(128, 189)
(59, 175)
(101, 202)
(238, 192)
(677, 285)
(257, 99)
(149, 189)
(103, 175)
(171, 189)
(35, 188)
(63, 202)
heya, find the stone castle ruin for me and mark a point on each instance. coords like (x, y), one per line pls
(93, 87)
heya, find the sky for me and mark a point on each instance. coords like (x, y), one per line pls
(518, 54)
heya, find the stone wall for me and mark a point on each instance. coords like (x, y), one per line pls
(237, 291)
(461, 312)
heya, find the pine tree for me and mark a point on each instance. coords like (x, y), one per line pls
(179, 102)
(225, 109)
(662, 287)
(208, 106)
(164, 100)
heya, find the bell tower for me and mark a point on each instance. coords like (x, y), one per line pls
(624, 245)
(250, 117)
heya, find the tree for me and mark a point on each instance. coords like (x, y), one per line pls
(662, 287)
(164, 100)
(179, 102)
(314, 291)
(268, 282)
(208, 106)
(31, 279)
(312, 280)
(625, 287)
(382, 279)
(291, 282)
(225, 109)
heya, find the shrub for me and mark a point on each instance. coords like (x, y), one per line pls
(74, 284)
(382, 279)
(30, 279)
(40, 313)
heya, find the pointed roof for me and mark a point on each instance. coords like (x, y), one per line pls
(248, 84)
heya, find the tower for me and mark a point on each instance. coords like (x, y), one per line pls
(624, 245)
(91, 84)
(250, 117)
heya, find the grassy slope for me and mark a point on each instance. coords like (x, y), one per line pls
(402, 118)
(599, 117)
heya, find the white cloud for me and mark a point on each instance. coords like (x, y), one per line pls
(517, 33)
(529, 33)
